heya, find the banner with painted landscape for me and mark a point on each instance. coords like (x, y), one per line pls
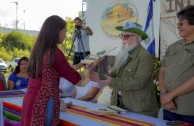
(103, 16)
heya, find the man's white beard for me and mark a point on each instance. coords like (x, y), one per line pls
(123, 54)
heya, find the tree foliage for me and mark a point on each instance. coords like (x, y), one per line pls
(4, 55)
(17, 44)
(66, 46)
(14, 40)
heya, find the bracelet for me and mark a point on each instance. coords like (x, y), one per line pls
(91, 68)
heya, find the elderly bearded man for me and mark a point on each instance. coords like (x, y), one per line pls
(131, 77)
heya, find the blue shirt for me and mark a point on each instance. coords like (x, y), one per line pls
(19, 82)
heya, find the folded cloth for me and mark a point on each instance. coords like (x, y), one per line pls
(104, 97)
(10, 123)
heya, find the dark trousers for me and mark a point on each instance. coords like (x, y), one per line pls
(78, 56)
(167, 115)
(120, 102)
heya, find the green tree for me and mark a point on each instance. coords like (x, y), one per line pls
(20, 53)
(16, 44)
(1, 39)
(29, 41)
(66, 46)
(4, 55)
(13, 40)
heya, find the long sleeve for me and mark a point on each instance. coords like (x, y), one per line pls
(136, 73)
(131, 80)
(2, 78)
(64, 69)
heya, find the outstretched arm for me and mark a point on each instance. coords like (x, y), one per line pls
(90, 95)
(10, 85)
(96, 97)
(78, 66)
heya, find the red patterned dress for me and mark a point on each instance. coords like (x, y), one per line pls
(42, 88)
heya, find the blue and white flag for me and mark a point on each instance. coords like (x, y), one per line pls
(150, 46)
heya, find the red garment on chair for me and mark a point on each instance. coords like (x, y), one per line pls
(1, 86)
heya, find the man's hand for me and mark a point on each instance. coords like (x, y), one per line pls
(170, 105)
(166, 98)
(106, 82)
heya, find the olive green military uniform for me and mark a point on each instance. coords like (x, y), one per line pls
(179, 63)
(135, 82)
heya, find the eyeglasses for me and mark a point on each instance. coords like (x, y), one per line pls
(181, 23)
(125, 37)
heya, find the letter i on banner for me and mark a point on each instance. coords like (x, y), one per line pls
(150, 46)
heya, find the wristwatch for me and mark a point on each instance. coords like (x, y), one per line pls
(162, 93)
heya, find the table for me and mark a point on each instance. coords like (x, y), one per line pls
(83, 121)
(87, 122)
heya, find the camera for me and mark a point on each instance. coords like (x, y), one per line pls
(78, 27)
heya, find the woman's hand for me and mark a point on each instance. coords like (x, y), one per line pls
(94, 76)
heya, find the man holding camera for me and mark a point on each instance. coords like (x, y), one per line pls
(81, 39)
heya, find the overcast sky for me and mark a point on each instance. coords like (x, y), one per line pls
(32, 13)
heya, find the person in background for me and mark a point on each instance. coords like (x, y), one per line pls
(19, 78)
(176, 76)
(41, 103)
(81, 39)
(3, 85)
(88, 92)
(84, 93)
(131, 77)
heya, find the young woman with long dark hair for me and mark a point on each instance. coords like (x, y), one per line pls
(41, 104)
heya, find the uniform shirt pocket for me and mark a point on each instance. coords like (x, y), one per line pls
(171, 57)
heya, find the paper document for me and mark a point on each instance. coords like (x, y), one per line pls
(93, 57)
(118, 109)
(102, 111)
(110, 110)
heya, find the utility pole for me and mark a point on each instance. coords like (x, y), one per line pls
(16, 22)
(24, 19)
(82, 9)
(83, 3)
